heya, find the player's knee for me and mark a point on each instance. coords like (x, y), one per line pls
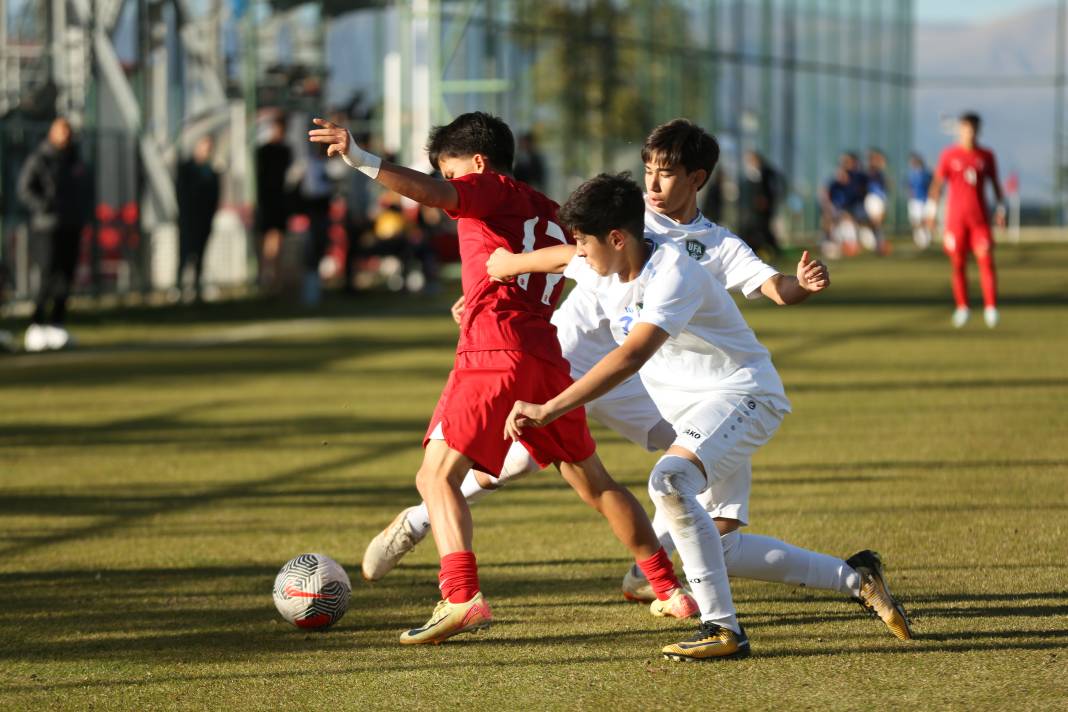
(673, 480)
(427, 480)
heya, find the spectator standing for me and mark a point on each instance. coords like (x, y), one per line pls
(198, 200)
(316, 190)
(918, 180)
(358, 203)
(55, 186)
(529, 163)
(273, 161)
(758, 199)
(876, 199)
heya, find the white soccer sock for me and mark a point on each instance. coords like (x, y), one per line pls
(517, 462)
(673, 486)
(753, 556)
(472, 490)
(418, 518)
(663, 532)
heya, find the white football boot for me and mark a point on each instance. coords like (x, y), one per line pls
(960, 317)
(58, 338)
(991, 317)
(390, 545)
(636, 587)
(36, 339)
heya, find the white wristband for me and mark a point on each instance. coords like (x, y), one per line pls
(930, 208)
(363, 161)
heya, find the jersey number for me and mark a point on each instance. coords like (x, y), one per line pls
(551, 280)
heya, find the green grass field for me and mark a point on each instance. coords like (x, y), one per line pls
(153, 481)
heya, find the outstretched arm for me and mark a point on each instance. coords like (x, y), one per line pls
(503, 265)
(418, 186)
(616, 367)
(812, 276)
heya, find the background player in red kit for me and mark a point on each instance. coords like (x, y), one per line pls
(966, 167)
(507, 351)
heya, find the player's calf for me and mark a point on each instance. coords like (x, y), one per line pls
(628, 521)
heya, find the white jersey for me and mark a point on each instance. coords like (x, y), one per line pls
(711, 352)
(582, 327)
(725, 255)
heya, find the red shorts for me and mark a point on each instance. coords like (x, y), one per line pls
(479, 395)
(964, 237)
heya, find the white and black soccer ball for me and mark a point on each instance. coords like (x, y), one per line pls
(312, 591)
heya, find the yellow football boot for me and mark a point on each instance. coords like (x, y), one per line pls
(712, 642)
(875, 595)
(450, 619)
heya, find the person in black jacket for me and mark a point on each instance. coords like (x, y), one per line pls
(273, 160)
(759, 195)
(54, 185)
(198, 199)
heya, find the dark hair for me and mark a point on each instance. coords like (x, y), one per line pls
(682, 142)
(468, 134)
(603, 204)
(970, 117)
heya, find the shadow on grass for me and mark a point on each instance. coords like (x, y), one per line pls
(154, 506)
(224, 613)
(945, 384)
(176, 362)
(175, 429)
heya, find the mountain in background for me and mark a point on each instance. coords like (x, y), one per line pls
(1006, 68)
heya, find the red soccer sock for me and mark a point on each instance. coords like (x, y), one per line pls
(988, 279)
(661, 574)
(960, 282)
(458, 578)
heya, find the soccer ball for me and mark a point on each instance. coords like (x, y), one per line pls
(312, 591)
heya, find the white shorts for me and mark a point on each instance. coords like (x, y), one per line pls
(916, 211)
(875, 206)
(628, 410)
(724, 433)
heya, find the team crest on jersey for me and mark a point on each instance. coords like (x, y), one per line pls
(695, 248)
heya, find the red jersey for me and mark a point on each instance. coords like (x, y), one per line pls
(966, 173)
(498, 211)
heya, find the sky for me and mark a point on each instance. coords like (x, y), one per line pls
(974, 10)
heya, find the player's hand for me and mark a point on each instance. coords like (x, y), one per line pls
(812, 275)
(497, 265)
(338, 138)
(458, 309)
(999, 217)
(526, 415)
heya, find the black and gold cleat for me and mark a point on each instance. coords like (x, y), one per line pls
(712, 642)
(875, 595)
